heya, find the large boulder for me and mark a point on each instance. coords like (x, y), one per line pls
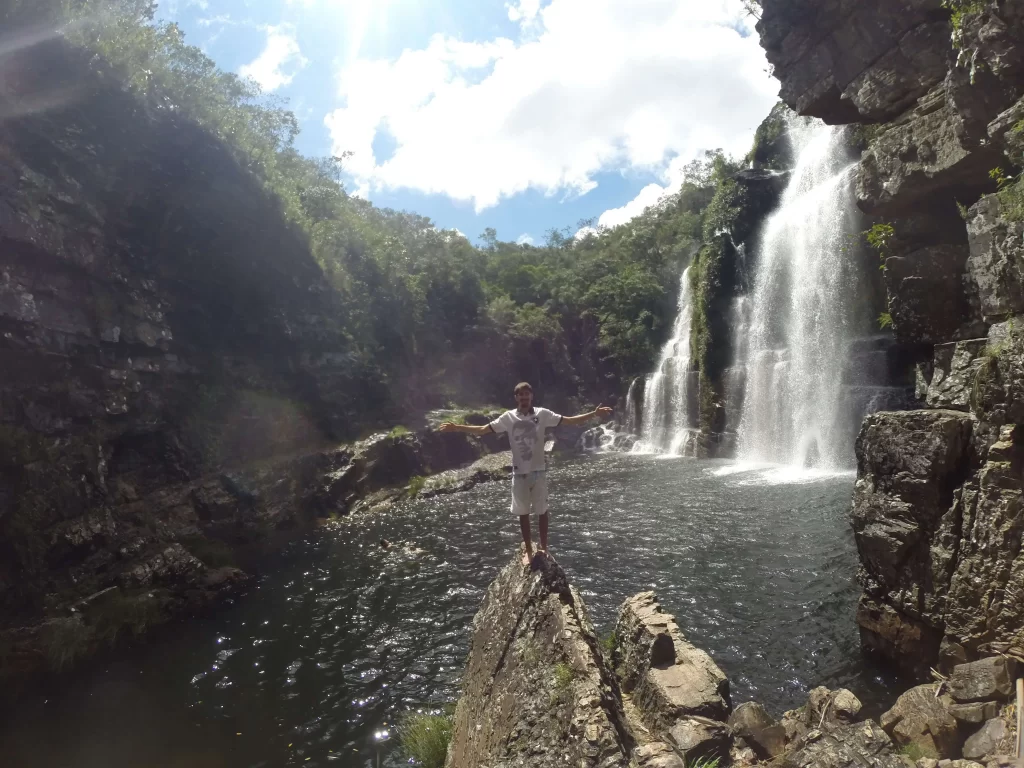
(760, 730)
(990, 679)
(852, 745)
(993, 738)
(667, 676)
(921, 717)
(536, 690)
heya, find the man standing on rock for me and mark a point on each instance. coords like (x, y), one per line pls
(525, 427)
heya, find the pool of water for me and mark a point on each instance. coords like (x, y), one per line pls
(314, 663)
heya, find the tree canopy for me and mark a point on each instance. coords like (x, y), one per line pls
(436, 318)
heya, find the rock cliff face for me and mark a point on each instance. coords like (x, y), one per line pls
(175, 380)
(938, 511)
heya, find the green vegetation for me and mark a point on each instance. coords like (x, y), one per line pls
(416, 484)
(884, 321)
(879, 237)
(1011, 189)
(425, 737)
(609, 642)
(961, 11)
(398, 431)
(430, 317)
(564, 676)
(915, 752)
(705, 762)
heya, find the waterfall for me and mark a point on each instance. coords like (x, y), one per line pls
(804, 290)
(632, 412)
(669, 404)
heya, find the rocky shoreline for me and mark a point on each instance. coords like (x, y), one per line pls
(541, 689)
(174, 552)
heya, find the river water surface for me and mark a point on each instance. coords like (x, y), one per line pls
(313, 664)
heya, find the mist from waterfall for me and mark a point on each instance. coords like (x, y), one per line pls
(804, 290)
(669, 403)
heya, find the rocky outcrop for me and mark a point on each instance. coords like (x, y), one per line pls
(846, 62)
(536, 690)
(937, 509)
(539, 689)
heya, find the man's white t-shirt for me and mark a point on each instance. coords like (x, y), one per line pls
(526, 436)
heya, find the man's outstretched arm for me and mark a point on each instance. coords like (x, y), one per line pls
(601, 411)
(467, 429)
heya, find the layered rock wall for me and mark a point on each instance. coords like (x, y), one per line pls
(937, 511)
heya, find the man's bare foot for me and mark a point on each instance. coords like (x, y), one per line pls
(527, 557)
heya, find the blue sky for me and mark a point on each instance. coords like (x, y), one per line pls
(523, 115)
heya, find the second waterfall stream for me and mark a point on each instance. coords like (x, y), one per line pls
(806, 364)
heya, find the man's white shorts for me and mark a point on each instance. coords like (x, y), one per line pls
(530, 493)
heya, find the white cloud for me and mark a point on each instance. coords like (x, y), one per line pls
(202, 5)
(281, 52)
(524, 239)
(600, 85)
(524, 12)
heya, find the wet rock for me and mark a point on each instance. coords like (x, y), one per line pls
(171, 565)
(668, 677)
(921, 718)
(536, 690)
(757, 728)
(993, 737)
(990, 679)
(996, 262)
(851, 745)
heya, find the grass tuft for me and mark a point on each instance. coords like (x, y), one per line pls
(425, 738)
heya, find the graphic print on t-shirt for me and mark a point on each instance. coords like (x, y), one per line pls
(524, 435)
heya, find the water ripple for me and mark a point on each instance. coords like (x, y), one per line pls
(316, 664)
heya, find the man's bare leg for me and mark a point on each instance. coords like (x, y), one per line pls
(524, 526)
(542, 523)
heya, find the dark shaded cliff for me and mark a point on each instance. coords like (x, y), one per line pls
(176, 381)
(938, 511)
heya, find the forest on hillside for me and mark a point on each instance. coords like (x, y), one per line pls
(432, 319)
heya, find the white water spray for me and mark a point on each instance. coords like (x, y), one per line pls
(669, 405)
(800, 315)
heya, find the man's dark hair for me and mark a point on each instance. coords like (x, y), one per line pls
(521, 386)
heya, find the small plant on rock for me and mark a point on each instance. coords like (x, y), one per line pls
(416, 484)
(398, 431)
(879, 237)
(424, 737)
(884, 321)
(705, 762)
(915, 752)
